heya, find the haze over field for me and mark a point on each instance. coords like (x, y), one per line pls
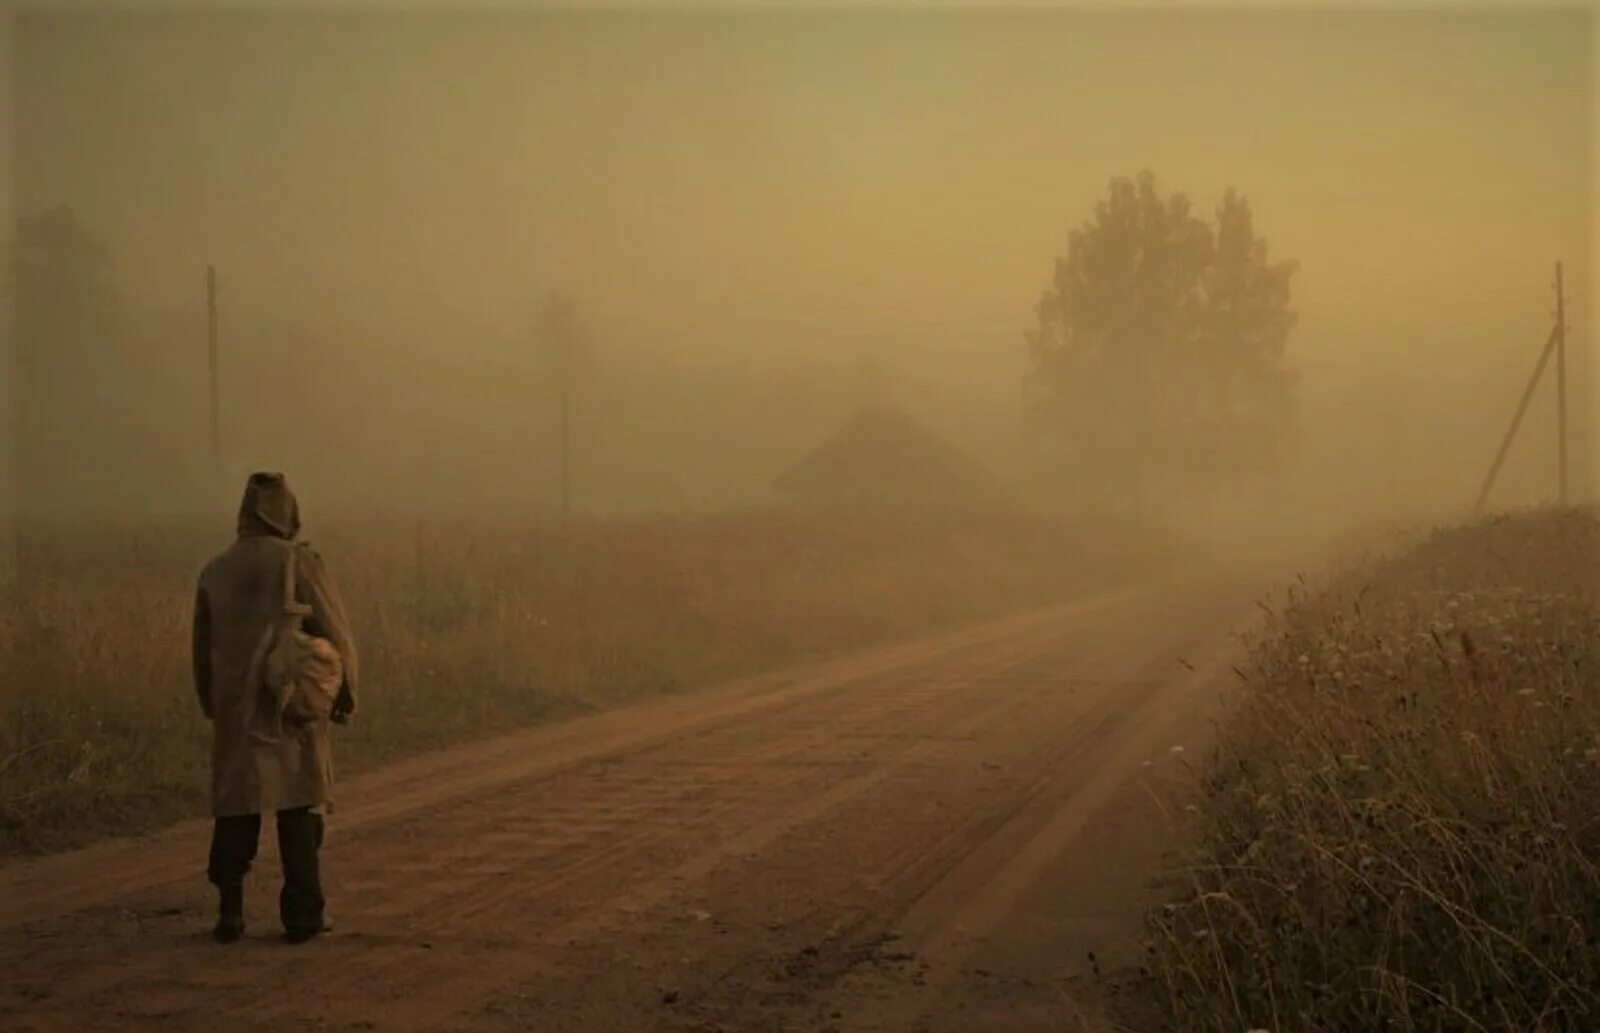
(764, 217)
(852, 519)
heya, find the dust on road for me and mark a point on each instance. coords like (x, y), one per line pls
(932, 835)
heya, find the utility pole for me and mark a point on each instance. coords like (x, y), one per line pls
(560, 341)
(1555, 344)
(211, 340)
(1516, 421)
(566, 454)
(1561, 379)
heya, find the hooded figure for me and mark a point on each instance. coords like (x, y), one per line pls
(258, 765)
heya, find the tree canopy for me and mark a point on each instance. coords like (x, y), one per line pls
(69, 388)
(562, 341)
(1159, 345)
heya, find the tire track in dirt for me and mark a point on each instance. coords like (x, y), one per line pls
(920, 862)
(984, 844)
(35, 888)
(97, 981)
(653, 820)
(984, 889)
(847, 793)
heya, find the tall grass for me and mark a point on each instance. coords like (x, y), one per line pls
(470, 627)
(1401, 827)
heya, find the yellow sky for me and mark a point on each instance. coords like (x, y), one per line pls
(807, 168)
(795, 183)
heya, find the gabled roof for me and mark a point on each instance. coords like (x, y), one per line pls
(883, 457)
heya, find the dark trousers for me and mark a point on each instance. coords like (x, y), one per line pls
(233, 849)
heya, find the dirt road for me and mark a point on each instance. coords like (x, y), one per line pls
(933, 835)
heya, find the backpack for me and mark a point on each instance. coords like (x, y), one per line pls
(299, 674)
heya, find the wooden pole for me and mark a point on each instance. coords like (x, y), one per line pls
(1561, 380)
(566, 454)
(211, 342)
(1516, 421)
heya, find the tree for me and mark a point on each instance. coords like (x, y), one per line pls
(1158, 350)
(66, 321)
(561, 342)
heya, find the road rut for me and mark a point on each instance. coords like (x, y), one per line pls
(880, 841)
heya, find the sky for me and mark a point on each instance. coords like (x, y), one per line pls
(774, 189)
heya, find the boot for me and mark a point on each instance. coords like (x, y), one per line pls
(230, 915)
(300, 904)
(300, 934)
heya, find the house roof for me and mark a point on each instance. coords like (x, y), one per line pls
(882, 456)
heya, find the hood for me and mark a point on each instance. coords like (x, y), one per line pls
(269, 507)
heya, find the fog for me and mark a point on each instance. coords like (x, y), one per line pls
(767, 218)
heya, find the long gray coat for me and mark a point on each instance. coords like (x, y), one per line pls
(240, 593)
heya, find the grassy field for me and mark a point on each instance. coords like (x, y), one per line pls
(1400, 829)
(473, 627)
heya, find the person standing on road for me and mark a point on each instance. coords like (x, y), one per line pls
(260, 762)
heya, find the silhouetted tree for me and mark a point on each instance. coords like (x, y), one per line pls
(65, 313)
(561, 342)
(1158, 352)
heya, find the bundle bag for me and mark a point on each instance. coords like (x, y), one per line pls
(301, 673)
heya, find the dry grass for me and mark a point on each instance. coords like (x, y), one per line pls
(1401, 827)
(473, 627)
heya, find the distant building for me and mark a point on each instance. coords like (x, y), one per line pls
(881, 458)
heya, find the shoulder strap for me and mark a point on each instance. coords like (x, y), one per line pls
(289, 572)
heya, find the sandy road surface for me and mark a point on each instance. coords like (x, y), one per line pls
(931, 835)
